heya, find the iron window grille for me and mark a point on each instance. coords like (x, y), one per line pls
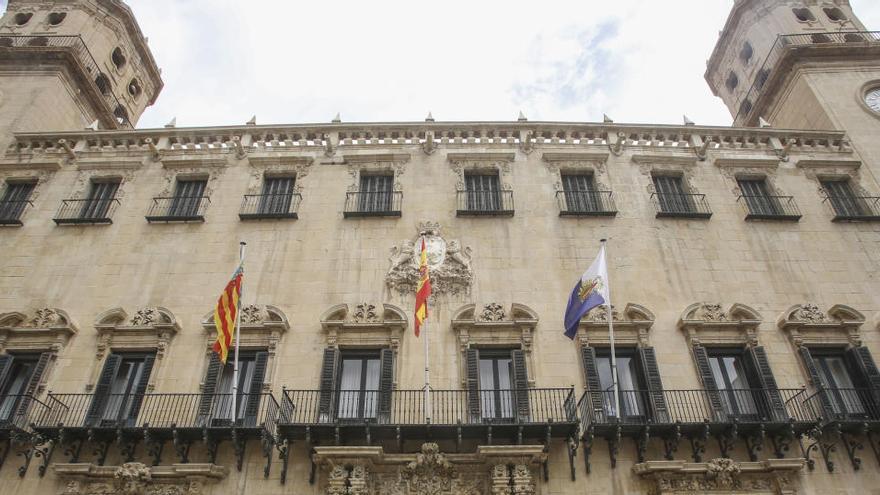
(579, 197)
(759, 204)
(276, 201)
(16, 198)
(483, 196)
(376, 198)
(847, 205)
(188, 203)
(671, 199)
(96, 208)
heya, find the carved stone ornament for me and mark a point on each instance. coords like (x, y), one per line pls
(492, 312)
(449, 265)
(710, 323)
(364, 324)
(599, 314)
(806, 324)
(430, 473)
(134, 478)
(809, 313)
(631, 325)
(772, 476)
(45, 318)
(46, 329)
(365, 313)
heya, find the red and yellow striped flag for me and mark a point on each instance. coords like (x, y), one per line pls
(423, 292)
(225, 315)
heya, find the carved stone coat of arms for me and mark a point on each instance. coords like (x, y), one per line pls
(449, 263)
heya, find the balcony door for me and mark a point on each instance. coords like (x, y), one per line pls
(120, 390)
(19, 376)
(277, 196)
(580, 193)
(496, 386)
(629, 380)
(839, 388)
(729, 371)
(14, 199)
(376, 192)
(843, 199)
(187, 198)
(97, 203)
(215, 404)
(358, 388)
(671, 195)
(758, 198)
(483, 192)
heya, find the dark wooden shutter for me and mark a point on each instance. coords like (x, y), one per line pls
(824, 408)
(102, 390)
(5, 365)
(521, 384)
(771, 403)
(861, 357)
(328, 384)
(657, 399)
(591, 381)
(472, 367)
(207, 400)
(140, 389)
(255, 391)
(386, 382)
(33, 382)
(701, 357)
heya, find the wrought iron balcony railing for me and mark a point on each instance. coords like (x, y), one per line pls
(80, 54)
(864, 208)
(586, 203)
(484, 203)
(269, 206)
(178, 209)
(857, 405)
(17, 411)
(86, 211)
(681, 205)
(373, 204)
(769, 207)
(12, 211)
(790, 43)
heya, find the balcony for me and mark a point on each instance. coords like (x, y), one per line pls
(484, 203)
(178, 209)
(854, 208)
(586, 203)
(269, 206)
(359, 417)
(781, 56)
(181, 420)
(727, 415)
(373, 204)
(671, 205)
(769, 207)
(86, 211)
(16, 412)
(11, 211)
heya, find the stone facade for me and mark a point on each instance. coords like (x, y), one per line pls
(76, 296)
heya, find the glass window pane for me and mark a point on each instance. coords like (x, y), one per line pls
(839, 373)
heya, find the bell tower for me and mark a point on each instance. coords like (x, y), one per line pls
(66, 63)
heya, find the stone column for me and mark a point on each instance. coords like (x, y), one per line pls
(523, 484)
(501, 480)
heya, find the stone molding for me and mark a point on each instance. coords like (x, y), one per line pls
(630, 328)
(449, 264)
(560, 163)
(44, 329)
(806, 324)
(500, 162)
(708, 323)
(134, 478)
(372, 163)
(364, 324)
(278, 166)
(769, 477)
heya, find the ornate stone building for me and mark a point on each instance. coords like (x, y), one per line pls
(745, 264)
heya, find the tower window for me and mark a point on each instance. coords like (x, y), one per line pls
(118, 58)
(835, 14)
(746, 53)
(745, 108)
(103, 84)
(732, 81)
(134, 88)
(803, 14)
(121, 114)
(22, 18)
(56, 18)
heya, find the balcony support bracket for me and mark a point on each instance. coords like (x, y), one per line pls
(43, 448)
(457, 438)
(698, 442)
(782, 441)
(267, 442)
(283, 453)
(727, 439)
(851, 444)
(572, 453)
(211, 444)
(154, 445)
(72, 448)
(398, 436)
(239, 442)
(7, 446)
(489, 435)
(755, 442)
(181, 446)
(642, 443)
(824, 440)
(27, 442)
(670, 443)
(587, 440)
(126, 444)
(101, 449)
(614, 445)
(875, 445)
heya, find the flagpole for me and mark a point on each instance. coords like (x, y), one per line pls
(236, 329)
(427, 360)
(610, 313)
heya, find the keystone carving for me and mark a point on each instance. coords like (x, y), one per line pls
(492, 312)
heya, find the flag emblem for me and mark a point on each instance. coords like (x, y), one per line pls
(225, 315)
(423, 291)
(588, 287)
(589, 292)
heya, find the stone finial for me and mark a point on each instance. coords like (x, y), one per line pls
(687, 121)
(521, 117)
(172, 123)
(763, 123)
(252, 121)
(93, 126)
(606, 119)
(337, 119)
(429, 118)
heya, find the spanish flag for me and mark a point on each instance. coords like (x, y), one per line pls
(225, 315)
(423, 292)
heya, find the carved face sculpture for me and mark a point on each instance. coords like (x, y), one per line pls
(436, 248)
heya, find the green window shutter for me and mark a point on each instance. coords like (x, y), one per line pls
(208, 400)
(592, 383)
(472, 365)
(521, 384)
(771, 403)
(657, 399)
(329, 366)
(255, 391)
(102, 390)
(386, 384)
(705, 370)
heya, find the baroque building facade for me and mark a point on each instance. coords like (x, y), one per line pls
(744, 262)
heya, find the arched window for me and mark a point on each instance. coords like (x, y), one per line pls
(56, 18)
(835, 14)
(732, 81)
(803, 14)
(134, 88)
(103, 84)
(746, 53)
(22, 18)
(118, 58)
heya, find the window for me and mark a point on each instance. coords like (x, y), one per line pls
(483, 192)
(120, 390)
(732, 81)
(101, 196)
(20, 375)
(834, 14)
(843, 200)
(277, 195)
(758, 198)
(22, 18)
(745, 55)
(580, 193)
(215, 408)
(671, 194)
(498, 385)
(15, 199)
(731, 379)
(103, 84)
(121, 114)
(187, 198)
(745, 107)
(803, 14)
(629, 382)
(376, 192)
(840, 392)
(56, 18)
(358, 386)
(134, 88)
(118, 58)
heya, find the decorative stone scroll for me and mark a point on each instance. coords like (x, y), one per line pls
(449, 264)
(806, 324)
(502, 470)
(769, 477)
(364, 324)
(134, 478)
(491, 324)
(630, 328)
(45, 329)
(709, 323)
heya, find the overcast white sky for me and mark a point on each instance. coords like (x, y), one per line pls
(394, 60)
